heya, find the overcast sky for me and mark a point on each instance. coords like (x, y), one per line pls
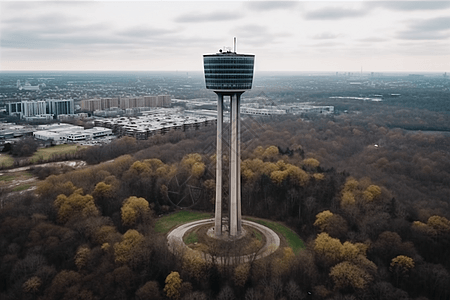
(342, 36)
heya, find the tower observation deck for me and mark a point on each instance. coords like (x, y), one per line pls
(229, 74)
(228, 71)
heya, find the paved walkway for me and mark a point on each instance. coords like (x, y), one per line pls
(177, 245)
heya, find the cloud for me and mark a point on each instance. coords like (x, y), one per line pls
(431, 29)
(271, 5)
(334, 13)
(373, 40)
(326, 36)
(257, 35)
(410, 5)
(145, 32)
(218, 16)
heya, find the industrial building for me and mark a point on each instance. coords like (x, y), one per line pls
(154, 122)
(61, 133)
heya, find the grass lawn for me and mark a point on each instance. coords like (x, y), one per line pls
(294, 241)
(192, 238)
(46, 153)
(164, 224)
(21, 187)
(7, 177)
(6, 160)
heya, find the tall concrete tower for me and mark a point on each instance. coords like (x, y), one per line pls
(229, 74)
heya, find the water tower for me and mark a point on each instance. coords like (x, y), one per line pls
(229, 74)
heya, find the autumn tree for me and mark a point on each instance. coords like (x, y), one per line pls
(134, 208)
(82, 257)
(103, 195)
(311, 163)
(194, 264)
(150, 290)
(131, 242)
(32, 285)
(327, 249)
(347, 275)
(282, 265)
(401, 266)
(322, 219)
(75, 205)
(173, 285)
(53, 186)
(194, 164)
(241, 273)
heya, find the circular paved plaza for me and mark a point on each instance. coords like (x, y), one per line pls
(177, 245)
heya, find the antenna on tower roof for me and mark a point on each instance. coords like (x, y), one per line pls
(234, 47)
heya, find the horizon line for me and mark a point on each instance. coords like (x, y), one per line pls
(260, 71)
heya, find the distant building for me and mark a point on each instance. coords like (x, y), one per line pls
(126, 102)
(60, 107)
(99, 104)
(27, 86)
(154, 122)
(26, 108)
(65, 132)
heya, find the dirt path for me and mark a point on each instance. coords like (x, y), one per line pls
(22, 179)
(70, 163)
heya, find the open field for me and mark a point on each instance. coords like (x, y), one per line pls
(17, 181)
(164, 224)
(6, 160)
(46, 153)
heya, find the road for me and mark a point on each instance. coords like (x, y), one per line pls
(176, 244)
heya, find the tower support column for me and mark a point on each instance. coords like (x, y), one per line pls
(235, 180)
(219, 159)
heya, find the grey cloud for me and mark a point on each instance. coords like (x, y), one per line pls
(145, 32)
(94, 38)
(257, 35)
(372, 40)
(431, 29)
(410, 5)
(334, 13)
(322, 45)
(412, 35)
(250, 30)
(271, 5)
(210, 17)
(326, 36)
(442, 23)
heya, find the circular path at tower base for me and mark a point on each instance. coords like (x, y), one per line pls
(177, 246)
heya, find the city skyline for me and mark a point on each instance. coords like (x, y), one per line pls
(299, 36)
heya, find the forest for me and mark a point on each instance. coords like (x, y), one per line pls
(369, 198)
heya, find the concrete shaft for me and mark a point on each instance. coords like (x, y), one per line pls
(234, 206)
(219, 157)
(234, 151)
